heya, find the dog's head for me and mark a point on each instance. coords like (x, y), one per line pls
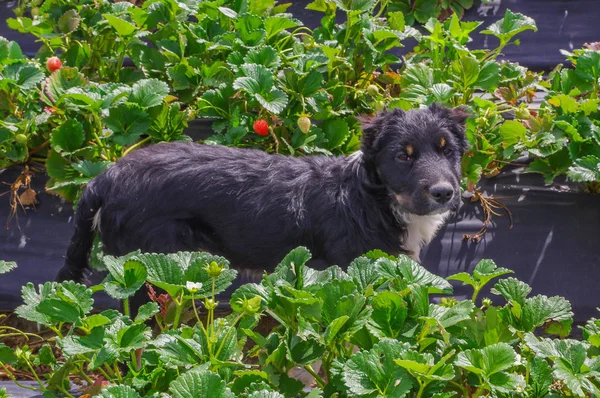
(417, 156)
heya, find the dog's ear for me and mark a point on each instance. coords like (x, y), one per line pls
(458, 116)
(372, 127)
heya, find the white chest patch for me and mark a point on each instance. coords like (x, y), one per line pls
(420, 231)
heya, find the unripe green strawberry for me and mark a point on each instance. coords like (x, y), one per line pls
(379, 105)
(522, 113)
(373, 90)
(304, 124)
(21, 139)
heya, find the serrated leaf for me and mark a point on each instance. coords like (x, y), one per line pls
(171, 272)
(540, 309)
(69, 21)
(364, 272)
(512, 290)
(333, 329)
(119, 391)
(304, 352)
(257, 79)
(465, 71)
(266, 56)
(450, 316)
(149, 92)
(389, 314)
(486, 270)
(61, 81)
(276, 24)
(509, 26)
(512, 132)
(416, 274)
(122, 27)
(375, 372)
(7, 266)
(586, 169)
(26, 76)
(441, 92)
(128, 122)
(126, 276)
(488, 76)
(541, 377)
(199, 384)
(68, 137)
(591, 332)
(91, 169)
(177, 351)
(396, 20)
(487, 361)
(31, 299)
(336, 131)
(58, 310)
(7, 355)
(463, 277)
(45, 356)
(274, 101)
(355, 5)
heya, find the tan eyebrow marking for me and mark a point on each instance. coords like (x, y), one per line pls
(410, 150)
(442, 142)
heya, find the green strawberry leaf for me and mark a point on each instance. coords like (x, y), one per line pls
(374, 372)
(122, 27)
(7, 355)
(389, 315)
(26, 76)
(200, 384)
(68, 137)
(487, 361)
(274, 101)
(509, 26)
(119, 391)
(512, 290)
(124, 278)
(128, 122)
(266, 56)
(148, 92)
(7, 266)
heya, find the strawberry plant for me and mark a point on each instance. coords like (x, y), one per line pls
(564, 134)
(371, 330)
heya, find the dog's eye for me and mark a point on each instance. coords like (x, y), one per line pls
(403, 157)
(446, 151)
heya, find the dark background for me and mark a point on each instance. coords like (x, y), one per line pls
(554, 244)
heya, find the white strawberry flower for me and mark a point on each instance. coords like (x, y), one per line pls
(193, 287)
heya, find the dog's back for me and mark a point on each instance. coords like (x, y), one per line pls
(245, 204)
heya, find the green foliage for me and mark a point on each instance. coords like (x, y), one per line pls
(374, 329)
(234, 62)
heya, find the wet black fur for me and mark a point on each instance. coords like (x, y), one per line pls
(253, 207)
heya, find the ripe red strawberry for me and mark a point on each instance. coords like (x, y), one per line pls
(261, 127)
(304, 124)
(53, 64)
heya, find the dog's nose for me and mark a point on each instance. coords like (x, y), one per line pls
(441, 192)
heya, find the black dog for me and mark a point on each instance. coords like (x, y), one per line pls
(253, 208)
